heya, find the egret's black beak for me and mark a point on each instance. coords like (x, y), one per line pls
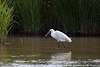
(48, 33)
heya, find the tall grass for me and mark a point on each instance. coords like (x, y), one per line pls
(78, 16)
(5, 19)
(29, 14)
(70, 16)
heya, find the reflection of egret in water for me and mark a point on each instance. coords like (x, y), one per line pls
(60, 59)
(61, 56)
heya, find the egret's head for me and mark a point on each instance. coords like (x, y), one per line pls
(50, 31)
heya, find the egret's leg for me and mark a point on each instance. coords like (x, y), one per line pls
(63, 45)
(58, 45)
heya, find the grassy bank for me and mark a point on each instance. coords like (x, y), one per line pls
(27, 15)
(74, 17)
(79, 16)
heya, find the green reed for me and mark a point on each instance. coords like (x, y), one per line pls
(29, 13)
(73, 16)
(80, 16)
(5, 19)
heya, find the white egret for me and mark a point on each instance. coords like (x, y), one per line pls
(59, 36)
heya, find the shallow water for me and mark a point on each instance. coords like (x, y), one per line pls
(44, 52)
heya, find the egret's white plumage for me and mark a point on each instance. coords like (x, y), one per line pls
(59, 36)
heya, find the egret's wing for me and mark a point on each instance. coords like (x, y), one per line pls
(62, 36)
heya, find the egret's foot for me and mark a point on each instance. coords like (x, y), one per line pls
(58, 47)
(64, 47)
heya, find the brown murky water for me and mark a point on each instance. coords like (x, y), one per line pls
(44, 52)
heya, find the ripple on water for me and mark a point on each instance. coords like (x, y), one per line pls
(43, 63)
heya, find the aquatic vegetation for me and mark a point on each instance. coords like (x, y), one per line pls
(29, 14)
(78, 16)
(6, 19)
(75, 17)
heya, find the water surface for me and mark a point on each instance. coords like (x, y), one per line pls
(44, 52)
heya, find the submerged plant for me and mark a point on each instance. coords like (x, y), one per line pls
(5, 19)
